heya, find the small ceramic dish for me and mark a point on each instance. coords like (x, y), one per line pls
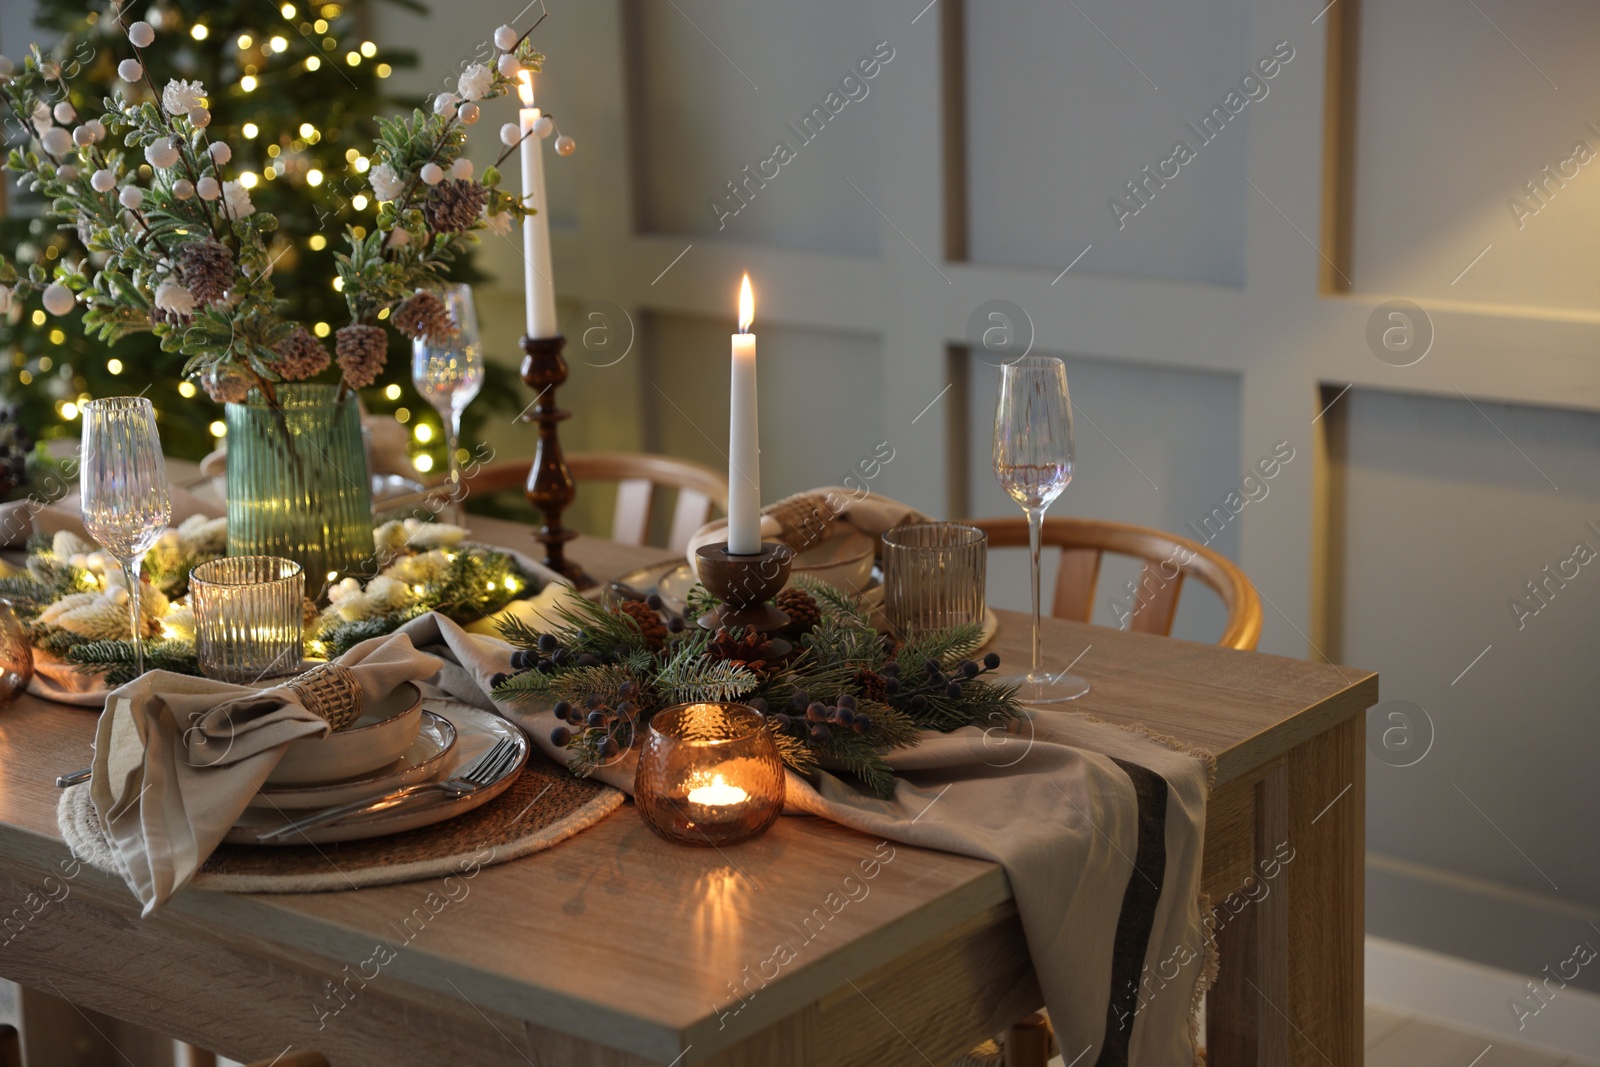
(843, 561)
(420, 762)
(380, 736)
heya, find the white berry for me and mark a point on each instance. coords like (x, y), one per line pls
(131, 197)
(208, 188)
(544, 126)
(220, 152)
(510, 134)
(58, 299)
(468, 114)
(56, 141)
(142, 34)
(461, 168)
(129, 70)
(432, 173)
(64, 113)
(162, 154)
(183, 188)
(505, 38)
(565, 145)
(508, 65)
(103, 181)
(83, 137)
(199, 118)
(96, 128)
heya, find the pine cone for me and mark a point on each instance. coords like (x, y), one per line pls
(206, 268)
(872, 686)
(649, 623)
(363, 350)
(423, 316)
(750, 649)
(801, 607)
(300, 356)
(227, 384)
(454, 205)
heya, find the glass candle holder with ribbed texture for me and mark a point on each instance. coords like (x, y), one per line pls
(298, 485)
(709, 774)
(933, 577)
(248, 617)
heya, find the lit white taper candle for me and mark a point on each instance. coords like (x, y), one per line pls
(539, 279)
(744, 443)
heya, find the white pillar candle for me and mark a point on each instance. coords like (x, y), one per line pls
(537, 274)
(744, 444)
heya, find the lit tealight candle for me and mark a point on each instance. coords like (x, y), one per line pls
(718, 794)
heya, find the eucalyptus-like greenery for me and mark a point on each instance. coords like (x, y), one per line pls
(148, 191)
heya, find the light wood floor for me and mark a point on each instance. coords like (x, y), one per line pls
(1395, 1040)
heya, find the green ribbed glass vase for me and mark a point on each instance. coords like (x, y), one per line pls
(297, 481)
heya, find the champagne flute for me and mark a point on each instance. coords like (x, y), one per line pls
(1033, 462)
(448, 372)
(123, 485)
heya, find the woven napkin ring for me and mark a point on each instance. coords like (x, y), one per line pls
(803, 519)
(331, 692)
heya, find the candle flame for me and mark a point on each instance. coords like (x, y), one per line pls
(747, 305)
(525, 88)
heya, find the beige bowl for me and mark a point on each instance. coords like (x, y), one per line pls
(843, 561)
(380, 736)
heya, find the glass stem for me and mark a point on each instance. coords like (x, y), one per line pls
(452, 443)
(1035, 525)
(131, 569)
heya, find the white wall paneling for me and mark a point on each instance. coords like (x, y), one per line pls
(1216, 322)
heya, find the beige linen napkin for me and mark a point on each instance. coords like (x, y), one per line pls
(804, 518)
(177, 759)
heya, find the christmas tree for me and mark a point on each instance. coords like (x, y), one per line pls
(295, 88)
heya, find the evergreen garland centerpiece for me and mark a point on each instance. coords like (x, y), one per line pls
(72, 600)
(845, 697)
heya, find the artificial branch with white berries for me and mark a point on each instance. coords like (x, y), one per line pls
(178, 249)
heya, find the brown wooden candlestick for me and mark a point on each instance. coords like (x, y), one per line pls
(743, 585)
(550, 485)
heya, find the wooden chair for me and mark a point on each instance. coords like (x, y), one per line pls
(638, 476)
(1168, 560)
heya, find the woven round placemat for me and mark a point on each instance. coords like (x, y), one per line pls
(545, 806)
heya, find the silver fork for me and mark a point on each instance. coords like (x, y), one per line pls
(485, 771)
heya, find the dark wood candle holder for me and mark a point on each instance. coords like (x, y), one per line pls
(550, 485)
(743, 585)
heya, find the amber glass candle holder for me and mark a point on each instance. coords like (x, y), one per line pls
(709, 774)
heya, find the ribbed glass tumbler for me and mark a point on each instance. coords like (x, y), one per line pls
(248, 617)
(297, 480)
(933, 577)
(709, 774)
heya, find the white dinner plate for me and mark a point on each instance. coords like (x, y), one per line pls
(420, 763)
(476, 733)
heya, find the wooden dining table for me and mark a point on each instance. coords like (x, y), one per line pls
(617, 949)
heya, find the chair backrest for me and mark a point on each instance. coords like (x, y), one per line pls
(638, 475)
(1168, 559)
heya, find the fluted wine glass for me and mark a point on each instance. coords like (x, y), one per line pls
(1033, 461)
(123, 483)
(448, 372)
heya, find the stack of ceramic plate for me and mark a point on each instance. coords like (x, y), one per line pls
(400, 741)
